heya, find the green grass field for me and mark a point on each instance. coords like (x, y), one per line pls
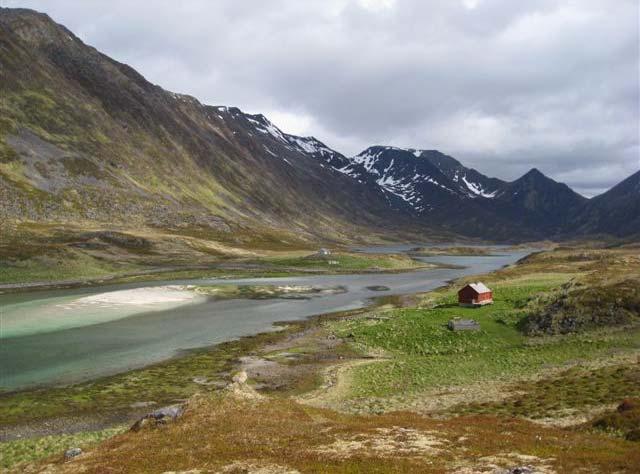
(423, 353)
(25, 450)
(340, 262)
(67, 266)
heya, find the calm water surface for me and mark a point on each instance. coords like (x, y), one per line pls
(56, 337)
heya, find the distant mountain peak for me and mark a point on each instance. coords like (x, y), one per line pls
(534, 173)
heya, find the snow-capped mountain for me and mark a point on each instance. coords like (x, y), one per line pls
(420, 184)
(114, 149)
(438, 188)
(424, 180)
(418, 180)
(470, 181)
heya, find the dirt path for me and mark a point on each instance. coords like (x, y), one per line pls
(336, 386)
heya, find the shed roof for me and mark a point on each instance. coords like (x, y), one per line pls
(457, 324)
(480, 287)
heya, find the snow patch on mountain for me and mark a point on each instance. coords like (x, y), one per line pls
(368, 160)
(265, 126)
(477, 189)
(269, 151)
(310, 145)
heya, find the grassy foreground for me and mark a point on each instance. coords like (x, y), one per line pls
(236, 434)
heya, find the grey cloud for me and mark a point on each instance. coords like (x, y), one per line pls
(504, 86)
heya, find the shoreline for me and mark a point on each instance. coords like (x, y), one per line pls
(228, 351)
(169, 274)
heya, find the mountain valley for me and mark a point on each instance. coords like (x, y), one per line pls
(85, 140)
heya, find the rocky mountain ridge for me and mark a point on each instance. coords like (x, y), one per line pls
(84, 138)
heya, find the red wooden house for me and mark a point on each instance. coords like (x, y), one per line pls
(475, 294)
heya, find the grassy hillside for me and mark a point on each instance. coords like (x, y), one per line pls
(55, 252)
(279, 436)
(86, 140)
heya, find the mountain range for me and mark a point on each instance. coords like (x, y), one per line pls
(84, 138)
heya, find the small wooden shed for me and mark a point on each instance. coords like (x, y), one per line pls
(458, 324)
(475, 294)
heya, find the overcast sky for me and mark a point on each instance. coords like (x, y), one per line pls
(502, 85)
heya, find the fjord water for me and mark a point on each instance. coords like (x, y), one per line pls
(53, 337)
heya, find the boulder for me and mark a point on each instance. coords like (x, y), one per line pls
(161, 416)
(240, 378)
(378, 288)
(71, 453)
(519, 470)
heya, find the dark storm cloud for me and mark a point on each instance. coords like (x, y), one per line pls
(502, 85)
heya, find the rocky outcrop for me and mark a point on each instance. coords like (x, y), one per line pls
(159, 417)
(71, 453)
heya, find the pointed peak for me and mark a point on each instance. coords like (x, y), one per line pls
(534, 172)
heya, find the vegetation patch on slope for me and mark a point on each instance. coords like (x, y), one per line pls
(24, 450)
(623, 421)
(564, 397)
(578, 307)
(460, 251)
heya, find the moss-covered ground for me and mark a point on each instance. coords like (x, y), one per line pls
(568, 393)
(25, 450)
(227, 433)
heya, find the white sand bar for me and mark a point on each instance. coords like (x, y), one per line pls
(159, 295)
(55, 314)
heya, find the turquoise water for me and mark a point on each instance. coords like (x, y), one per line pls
(66, 336)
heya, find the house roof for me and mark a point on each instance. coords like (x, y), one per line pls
(480, 287)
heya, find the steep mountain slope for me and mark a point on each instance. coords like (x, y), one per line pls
(469, 180)
(83, 137)
(418, 183)
(87, 140)
(616, 211)
(537, 202)
(417, 187)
